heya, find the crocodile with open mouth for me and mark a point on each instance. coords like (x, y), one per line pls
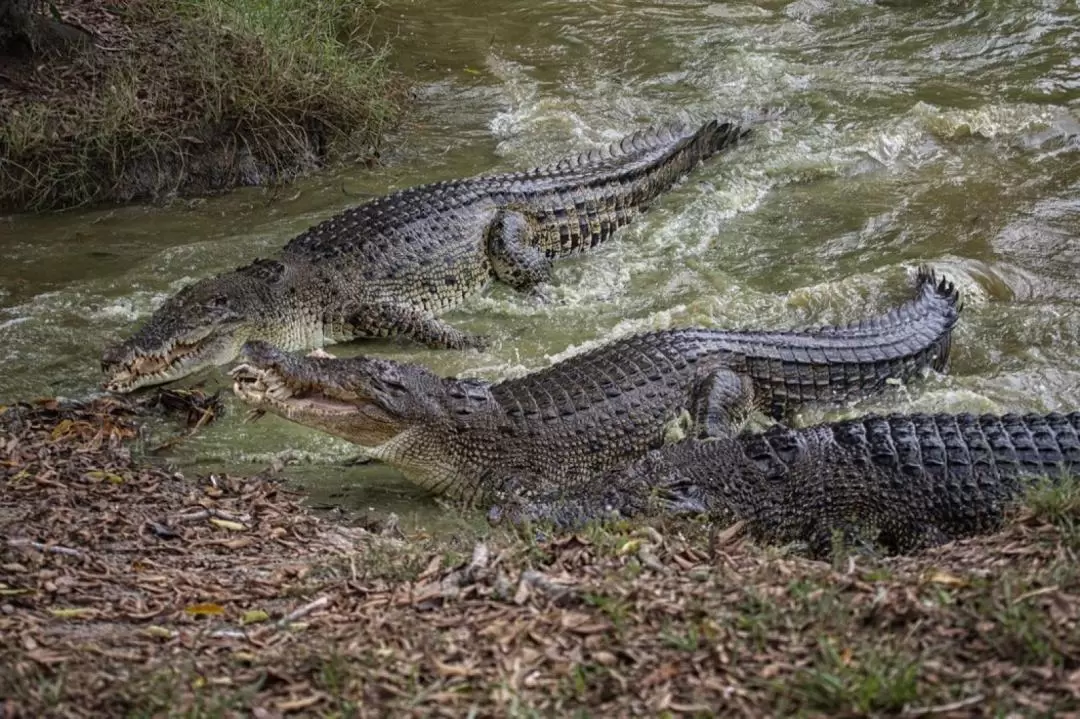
(474, 441)
(391, 266)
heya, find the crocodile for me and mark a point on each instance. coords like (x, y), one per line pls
(897, 483)
(468, 438)
(390, 266)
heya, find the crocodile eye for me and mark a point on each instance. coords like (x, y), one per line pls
(393, 384)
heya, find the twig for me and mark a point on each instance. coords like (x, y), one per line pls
(304, 610)
(943, 708)
(207, 414)
(193, 516)
(544, 584)
(216, 513)
(54, 548)
(1035, 593)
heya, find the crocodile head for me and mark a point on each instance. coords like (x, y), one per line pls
(365, 400)
(203, 325)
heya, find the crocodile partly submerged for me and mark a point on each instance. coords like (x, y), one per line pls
(391, 266)
(476, 441)
(897, 482)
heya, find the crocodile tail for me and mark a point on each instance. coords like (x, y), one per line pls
(933, 289)
(927, 278)
(704, 142)
(716, 136)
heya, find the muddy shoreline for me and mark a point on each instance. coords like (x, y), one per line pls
(130, 589)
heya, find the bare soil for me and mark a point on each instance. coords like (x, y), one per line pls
(128, 589)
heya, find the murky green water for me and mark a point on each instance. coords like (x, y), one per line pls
(944, 132)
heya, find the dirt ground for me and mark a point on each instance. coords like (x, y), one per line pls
(127, 589)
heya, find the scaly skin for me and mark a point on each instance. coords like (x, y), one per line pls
(902, 482)
(391, 266)
(561, 426)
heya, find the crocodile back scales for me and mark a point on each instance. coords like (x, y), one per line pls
(958, 446)
(409, 225)
(788, 368)
(907, 481)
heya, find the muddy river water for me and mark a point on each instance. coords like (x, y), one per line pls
(945, 132)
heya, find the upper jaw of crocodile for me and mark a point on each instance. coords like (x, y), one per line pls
(365, 400)
(268, 388)
(136, 363)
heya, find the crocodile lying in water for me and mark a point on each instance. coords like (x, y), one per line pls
(902, 482)
(390, 266)
(471, 440)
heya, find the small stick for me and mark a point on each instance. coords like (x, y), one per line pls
(54, 548)
(193, 516)
(217, 513)
(254, 415)
(943, 708)
(305, 610)
(222, 514)
(1035, 593)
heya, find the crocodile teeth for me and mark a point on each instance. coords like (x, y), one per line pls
(242, 368)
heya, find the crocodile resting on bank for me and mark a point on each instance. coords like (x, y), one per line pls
(480, 442)
(391, 266)
(901, 482)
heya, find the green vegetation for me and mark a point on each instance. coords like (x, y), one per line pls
(1059, 504)
(193, 96)
(875, 681)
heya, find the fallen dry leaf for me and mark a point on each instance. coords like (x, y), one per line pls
(558, 626)
(205, 609)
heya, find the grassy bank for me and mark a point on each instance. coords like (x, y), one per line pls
(190, 96)
(126, 590)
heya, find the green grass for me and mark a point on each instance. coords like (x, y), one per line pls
(200, 96)
(1058, 503)
(864, 681)
(317, 64)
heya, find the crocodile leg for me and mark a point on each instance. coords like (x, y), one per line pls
(516, 260)
(379, 320)
(523, 500)
(899, 537)
(720, 403)
(827, 537)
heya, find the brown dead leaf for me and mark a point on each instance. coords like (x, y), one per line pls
(205, 609)
(293, 705)
(42, 656)
(227, 524)
(73, 612)
(661, 674)
(947, 579)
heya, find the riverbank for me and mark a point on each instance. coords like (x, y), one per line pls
(165, 97)
(127, 589)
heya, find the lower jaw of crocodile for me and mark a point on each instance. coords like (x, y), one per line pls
(266, 389)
